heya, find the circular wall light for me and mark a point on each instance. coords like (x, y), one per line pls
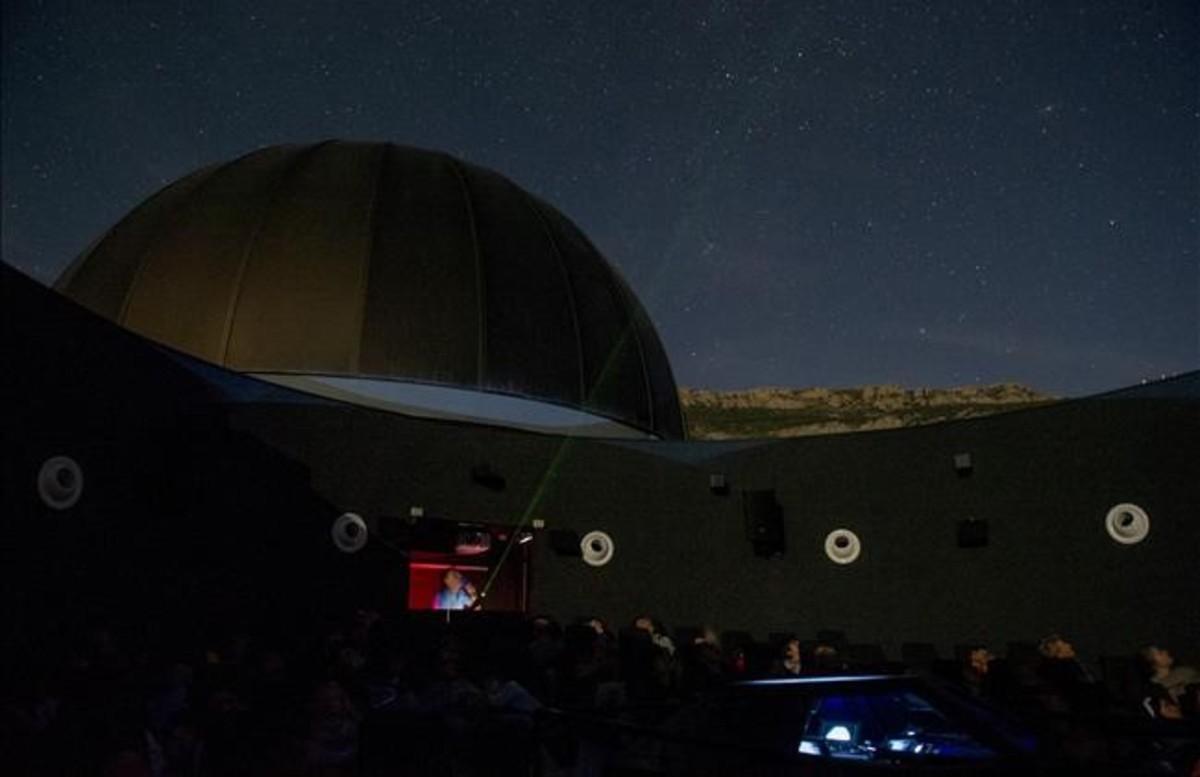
(842, 546)
(596, 548)
(60, 482)
(349, 533)
(1127, 523)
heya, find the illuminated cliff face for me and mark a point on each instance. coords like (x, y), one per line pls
(780, 412)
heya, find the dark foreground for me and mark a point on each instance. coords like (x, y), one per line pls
(489, 695)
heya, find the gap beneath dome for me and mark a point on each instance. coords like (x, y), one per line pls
(456, 404)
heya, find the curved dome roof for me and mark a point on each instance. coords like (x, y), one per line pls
(381, 261)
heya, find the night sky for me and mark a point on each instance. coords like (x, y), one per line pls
(839, 193)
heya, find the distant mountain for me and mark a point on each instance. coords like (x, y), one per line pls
(781, 412)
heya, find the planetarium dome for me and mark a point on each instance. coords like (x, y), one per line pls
(339, 265)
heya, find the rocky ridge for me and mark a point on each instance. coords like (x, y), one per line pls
(785, 412)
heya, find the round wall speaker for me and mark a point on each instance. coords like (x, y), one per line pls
(60, 482)
(1127, 523)
(596, 548)
(349, 533)
(842, 546)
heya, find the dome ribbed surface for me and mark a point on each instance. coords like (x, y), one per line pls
(381, 261)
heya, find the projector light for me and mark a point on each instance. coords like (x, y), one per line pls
(472, 543)
(838, 734)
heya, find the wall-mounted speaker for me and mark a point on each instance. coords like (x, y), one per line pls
(1127, 523)
(764, 522)
(596, 547)
(963, 466)
(349, 533)
(842, 546)
(972, 533)
(60, 482)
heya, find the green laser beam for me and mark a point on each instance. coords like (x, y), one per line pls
(551, 471)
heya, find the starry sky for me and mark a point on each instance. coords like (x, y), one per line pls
(801, 193)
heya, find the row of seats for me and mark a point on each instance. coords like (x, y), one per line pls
(912, 654)
(1122, 676)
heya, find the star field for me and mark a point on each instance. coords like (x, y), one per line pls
(928, 194)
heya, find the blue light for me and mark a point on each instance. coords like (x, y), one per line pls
(822, 679)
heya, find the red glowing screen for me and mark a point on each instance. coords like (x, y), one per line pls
(425, 580)
(508, 584)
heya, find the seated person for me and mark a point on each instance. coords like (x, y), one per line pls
(788, 663)
(1067, 684)
(826, 659)
(976, 671)
(703, 662)
(1159, 704)
(1164, 674)
(646, 624)
(648, 658)
(458, 593)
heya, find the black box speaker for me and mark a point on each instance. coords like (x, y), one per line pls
(718, 484)
(764, 522)
(565, 542)
(972, 533)
(487, 477)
